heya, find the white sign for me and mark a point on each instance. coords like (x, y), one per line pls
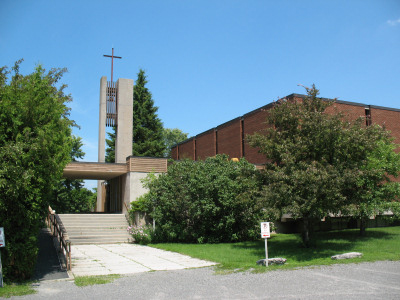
(2, 238)
(265, 230)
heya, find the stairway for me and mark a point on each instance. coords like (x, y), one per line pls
(86, 229)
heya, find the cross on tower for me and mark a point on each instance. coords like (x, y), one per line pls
(112, 62)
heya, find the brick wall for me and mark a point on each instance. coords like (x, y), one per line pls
(254, 122)
(174, 153)
(186, 149)
(205, 144)
(228, 138)
(387, 118)
(351, 112)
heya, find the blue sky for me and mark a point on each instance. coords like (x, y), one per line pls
(208, 62)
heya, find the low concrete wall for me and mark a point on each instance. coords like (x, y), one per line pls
(136, 186)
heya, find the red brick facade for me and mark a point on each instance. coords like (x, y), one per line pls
(186, 149)
(205, 144)
(253, 122)
(230, 137)
(387, 118)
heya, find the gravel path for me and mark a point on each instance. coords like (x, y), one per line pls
(379, 280)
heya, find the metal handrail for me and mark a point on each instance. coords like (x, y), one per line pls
(57, 230)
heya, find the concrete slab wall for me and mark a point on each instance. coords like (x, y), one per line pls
(125, 192)
(123, 141)
(102, 119)
(136, 186)
(102, 136)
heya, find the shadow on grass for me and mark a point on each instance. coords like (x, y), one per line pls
(325, 244)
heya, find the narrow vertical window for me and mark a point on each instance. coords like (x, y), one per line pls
(216, 141)
(242, 136)
(368, 120)
(194, 150)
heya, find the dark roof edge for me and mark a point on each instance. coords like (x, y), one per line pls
(329, 99)
(227, 123)
(269, 105)
(385, 108)
(185, 141)
(205, 132)
(348, 103)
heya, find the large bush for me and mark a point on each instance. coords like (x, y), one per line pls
(319, 163)
(206, 201)
(35, 143)
(70, 195)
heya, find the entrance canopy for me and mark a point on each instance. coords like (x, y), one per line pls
(94, 170)
(108, 171)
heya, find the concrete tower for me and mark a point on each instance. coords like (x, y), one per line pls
(116, 110)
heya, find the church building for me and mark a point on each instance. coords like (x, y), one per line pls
(230, 137)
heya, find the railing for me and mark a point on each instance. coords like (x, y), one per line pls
(58, 230)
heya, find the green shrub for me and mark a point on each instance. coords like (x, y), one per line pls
(35, 142)
(141, 233)
(205, 201)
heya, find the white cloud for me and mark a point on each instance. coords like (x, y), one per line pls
(394, 22)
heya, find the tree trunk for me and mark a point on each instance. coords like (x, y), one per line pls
(306, 232)
(363, 226)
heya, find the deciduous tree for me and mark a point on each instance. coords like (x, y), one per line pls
(317, 161)
(35, 146)
(172, 137)
(70, 195)
(372, 191)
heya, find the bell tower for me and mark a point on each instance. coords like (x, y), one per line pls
(116, 110)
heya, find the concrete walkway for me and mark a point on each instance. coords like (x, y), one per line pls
(88, 260)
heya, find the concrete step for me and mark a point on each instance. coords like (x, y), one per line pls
(97, 233)
(99, 236)
(96, 228)
(83, 219)
(99, 242)
(93, 227)
(103, 223)
(103, 216)
(92, 216)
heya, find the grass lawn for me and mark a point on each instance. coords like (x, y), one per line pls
(379, 244)
(11, 290)
(91, 280)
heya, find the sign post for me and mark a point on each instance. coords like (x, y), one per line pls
(265, 234)
(2, 244)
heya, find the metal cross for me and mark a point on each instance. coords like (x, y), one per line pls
(112, 62)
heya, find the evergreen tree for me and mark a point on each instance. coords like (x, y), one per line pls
(147, 127)
(110, 150)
